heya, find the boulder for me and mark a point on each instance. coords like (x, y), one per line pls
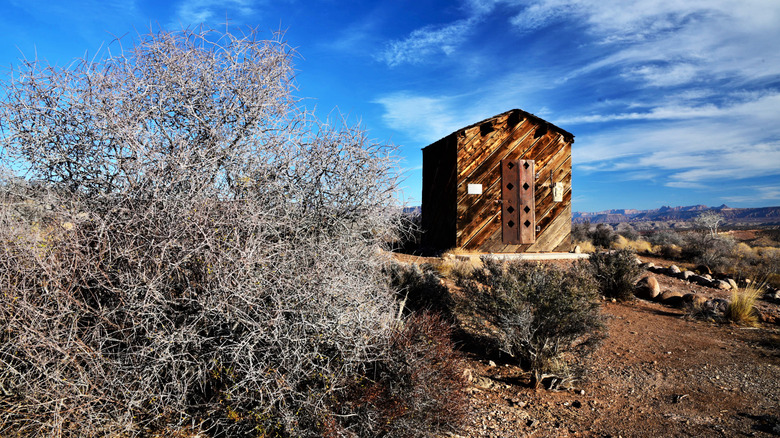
(648, 288)
(693, 300)
(732, 283)
(674, 270)
(686, 275)
(577, 250)
(722, 285)
(648, 265)
(698, 279)
(671, 298)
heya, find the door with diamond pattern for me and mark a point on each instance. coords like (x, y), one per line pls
(518, 225)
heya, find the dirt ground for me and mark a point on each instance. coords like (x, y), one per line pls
(659, 372)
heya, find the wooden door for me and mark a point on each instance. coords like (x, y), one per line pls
(518, 224)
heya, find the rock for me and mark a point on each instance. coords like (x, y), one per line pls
(648, 266)
(671, 298)
(708, 277)
(648, 288)
(698, 279)
(732, 283)
(694, 300)
(674, 269)
(686, 275)
(722, 285)
(577, 250)
(491, 363)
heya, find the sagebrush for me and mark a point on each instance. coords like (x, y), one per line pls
(616, 272)
(539, 310)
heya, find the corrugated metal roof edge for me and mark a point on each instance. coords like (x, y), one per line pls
(524, 113)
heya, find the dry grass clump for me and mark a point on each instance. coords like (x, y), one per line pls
(639, 246)
(741, 308)
(586, 246)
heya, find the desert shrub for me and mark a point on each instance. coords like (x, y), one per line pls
(665, 237)
(603, 236)
(616, 272)
(636, 245)
(416, 389)
(539, 310)
(419, 288)
(712, 250)
(741, 307)
(194, 251)
(627, 231)
(580, 232)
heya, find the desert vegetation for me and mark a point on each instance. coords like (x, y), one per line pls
(186, 250)
(706, 247)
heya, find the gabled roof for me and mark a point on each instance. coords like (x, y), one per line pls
(538, 120)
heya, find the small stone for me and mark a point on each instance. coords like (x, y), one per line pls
(732, 283)
(674, 269)
(686, 275)
(577, 250)
(491, 363)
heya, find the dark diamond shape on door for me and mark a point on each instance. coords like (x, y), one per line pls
(527, 224)
(511, 209)
(511, 224)
(510, 165)
(525, 165)
(526, 209)
(510, 186)
(525, 186)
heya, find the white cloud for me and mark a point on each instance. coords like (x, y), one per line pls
(425, 119)
(194, 12)
(426, 43)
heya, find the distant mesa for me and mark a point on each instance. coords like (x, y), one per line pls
(732, 216)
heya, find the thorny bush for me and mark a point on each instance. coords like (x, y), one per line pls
(540, 310)
(416, 390)
(188, 248)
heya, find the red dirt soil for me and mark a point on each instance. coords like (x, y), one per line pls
(659, 372)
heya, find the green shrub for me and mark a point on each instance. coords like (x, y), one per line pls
(539, 310)
(616, 272)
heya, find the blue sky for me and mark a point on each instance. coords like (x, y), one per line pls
(672, 102)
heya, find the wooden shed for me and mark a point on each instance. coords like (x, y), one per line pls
(502, 185)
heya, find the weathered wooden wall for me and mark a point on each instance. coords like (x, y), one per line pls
(438, 194)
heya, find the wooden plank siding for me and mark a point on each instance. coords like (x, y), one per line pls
(477, 152)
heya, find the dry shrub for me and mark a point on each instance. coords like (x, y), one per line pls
(194, 252)
(419, 288)
(540, 310)
(417, 389)
(616, 272)
(741, 308)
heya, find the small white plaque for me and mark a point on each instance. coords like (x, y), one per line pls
(475, 189)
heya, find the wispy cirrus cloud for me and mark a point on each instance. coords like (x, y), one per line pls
(426, 43)
(193, 12)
